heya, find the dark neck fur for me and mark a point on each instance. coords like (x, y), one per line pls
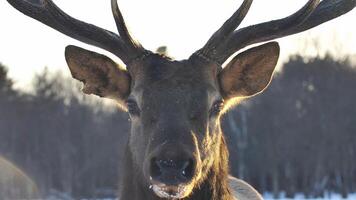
(215, 187)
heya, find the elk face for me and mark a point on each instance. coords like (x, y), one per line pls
(174, 108)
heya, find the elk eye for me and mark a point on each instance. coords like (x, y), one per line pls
(216, 108)
(132, 107)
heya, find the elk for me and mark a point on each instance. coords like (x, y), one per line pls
(14, 183)
(176, 148)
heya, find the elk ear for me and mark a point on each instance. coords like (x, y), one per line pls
(250, 72)
(101, 76)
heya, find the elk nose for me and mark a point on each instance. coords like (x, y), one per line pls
(172, 172)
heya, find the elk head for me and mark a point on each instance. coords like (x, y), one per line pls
(175, 106)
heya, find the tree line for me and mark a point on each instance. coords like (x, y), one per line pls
(299, 136)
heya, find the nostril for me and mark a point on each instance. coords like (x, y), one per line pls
(155, 168)
(188, 169)
(171, 171)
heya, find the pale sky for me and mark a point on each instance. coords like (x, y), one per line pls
(27, 46)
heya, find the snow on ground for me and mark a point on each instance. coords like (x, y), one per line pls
(55, 195)
(331, 196)
(266, 196)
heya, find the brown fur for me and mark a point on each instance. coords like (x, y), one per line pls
(174, 103)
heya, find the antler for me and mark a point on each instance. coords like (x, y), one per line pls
(311, 15)
(121, 26)
(228, 27)
(48, 13)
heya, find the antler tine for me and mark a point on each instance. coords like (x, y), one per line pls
(263, 32)
(311, 15)
(121, 25)
(325, 12)
(227, 28)
(48, 13)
